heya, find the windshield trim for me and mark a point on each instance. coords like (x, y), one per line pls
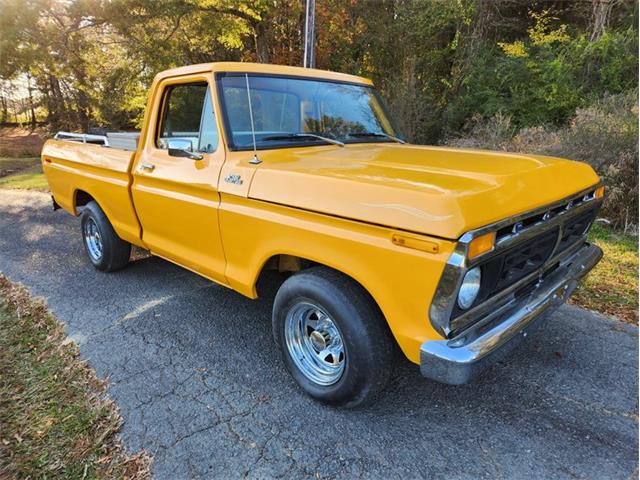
(227, 126)
(221, 75)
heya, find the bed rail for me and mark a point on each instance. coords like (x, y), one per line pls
(83, 137)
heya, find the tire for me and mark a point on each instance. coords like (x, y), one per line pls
(314, 312)
(106, 251)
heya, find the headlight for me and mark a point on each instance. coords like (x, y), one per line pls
(470, 288)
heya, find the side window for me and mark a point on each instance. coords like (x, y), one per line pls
(188, 120)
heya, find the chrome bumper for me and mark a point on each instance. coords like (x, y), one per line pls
(458, 360)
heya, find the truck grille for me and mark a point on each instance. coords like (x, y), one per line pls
(528, 256)
(575, 228)
(525, 258)
(521, 260)
(540, 218)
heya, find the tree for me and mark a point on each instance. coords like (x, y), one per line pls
(438, 62)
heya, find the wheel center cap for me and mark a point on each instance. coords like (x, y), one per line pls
(318, 340)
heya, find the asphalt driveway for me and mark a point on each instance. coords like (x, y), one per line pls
(201, 387)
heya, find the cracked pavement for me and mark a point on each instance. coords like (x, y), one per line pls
(200, 385)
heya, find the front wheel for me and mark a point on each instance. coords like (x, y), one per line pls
(334, 339)
(106, 251)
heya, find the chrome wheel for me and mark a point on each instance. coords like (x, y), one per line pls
(314, 343)
(92, 239)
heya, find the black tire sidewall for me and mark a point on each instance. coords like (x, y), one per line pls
(115, 252)
(352, 317)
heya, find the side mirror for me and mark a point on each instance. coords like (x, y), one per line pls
(179, 147)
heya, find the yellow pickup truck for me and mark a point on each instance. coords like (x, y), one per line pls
(450, 255)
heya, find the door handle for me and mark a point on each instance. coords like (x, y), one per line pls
(146, 166)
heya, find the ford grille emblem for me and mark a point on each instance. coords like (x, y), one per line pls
(517, 228)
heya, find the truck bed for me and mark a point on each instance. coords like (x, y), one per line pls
(74, 167)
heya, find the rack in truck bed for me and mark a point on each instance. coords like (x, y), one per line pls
(122, 140)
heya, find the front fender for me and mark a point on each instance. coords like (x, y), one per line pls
(401, 280)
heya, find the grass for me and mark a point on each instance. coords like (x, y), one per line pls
(612, 286)
(25, 181)
(56, 420)
(12, 165)
(24, 173)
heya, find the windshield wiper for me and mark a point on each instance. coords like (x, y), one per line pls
(292, 136)
(376, 134)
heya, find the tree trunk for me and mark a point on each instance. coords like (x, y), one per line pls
(51, 104)
(5, 109)
(482, 20)
(473, 37)
(84, 110)
(262, 41)
(32, 110)
(55, 103)
(601, 12)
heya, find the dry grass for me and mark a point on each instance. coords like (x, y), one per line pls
(605, 135)
(13, 165)
(23, 173)
(56, 419)
(20, 142)
(612, 287)
(19, 159)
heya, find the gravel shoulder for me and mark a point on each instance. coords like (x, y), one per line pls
(201, 387)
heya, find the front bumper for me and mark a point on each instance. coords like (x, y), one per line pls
(458, 360)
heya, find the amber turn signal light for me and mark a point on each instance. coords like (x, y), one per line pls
(599, 193)
(410, 241)
(482, 244)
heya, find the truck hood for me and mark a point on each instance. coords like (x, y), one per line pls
(431, 190)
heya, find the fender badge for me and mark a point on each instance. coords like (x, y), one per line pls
(234, 179)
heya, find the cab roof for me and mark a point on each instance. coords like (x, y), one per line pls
(246, 67)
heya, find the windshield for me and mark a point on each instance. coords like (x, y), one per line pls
(284, 109)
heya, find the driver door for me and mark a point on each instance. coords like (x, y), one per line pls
(176, 176)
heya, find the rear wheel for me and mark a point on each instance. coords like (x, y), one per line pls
(106, 251)
(334, 339)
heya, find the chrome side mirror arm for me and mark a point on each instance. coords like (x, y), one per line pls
(179, 152)
(179, 147)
